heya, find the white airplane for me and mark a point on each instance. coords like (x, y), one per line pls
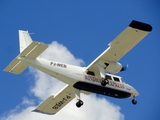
(95, 78)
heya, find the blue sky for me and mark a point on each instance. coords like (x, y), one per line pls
(85, 28)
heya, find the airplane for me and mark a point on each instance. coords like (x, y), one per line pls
(98, 77)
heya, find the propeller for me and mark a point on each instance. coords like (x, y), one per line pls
(124, 68)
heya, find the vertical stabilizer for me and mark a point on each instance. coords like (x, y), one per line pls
(24, 39)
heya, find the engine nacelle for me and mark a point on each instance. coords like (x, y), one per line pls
(113, 67)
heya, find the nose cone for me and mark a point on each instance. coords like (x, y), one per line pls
(135, 92)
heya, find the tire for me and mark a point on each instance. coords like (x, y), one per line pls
(134, 101)
(79, 103)
(104, 82)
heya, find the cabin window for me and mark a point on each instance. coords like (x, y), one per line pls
(108, 77)
(116, 79)
(90, 73)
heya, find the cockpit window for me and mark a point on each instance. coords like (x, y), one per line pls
(90, 73)
(116, 79)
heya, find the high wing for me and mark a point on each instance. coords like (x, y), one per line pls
(122, 44)
(55, 103)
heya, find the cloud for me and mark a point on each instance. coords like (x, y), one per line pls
(94, 108)
(59, 52)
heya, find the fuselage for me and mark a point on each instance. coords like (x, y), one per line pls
(79, 79)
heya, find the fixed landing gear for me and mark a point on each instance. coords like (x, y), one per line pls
(104, 82)
(103, 75)
(79, 103)
(134, 101)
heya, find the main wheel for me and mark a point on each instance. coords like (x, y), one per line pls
(134, 101)
(104, 82)
(79, 103)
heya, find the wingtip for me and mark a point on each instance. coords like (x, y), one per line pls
(38, 111)
(141, 26)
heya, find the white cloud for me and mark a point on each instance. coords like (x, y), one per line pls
(94, 108)
(59, 52)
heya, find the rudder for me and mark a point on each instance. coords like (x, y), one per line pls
(24, 39)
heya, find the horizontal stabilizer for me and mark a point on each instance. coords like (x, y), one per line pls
(32, 51)
(16, 66)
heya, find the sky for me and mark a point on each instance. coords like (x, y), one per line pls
(77, 32)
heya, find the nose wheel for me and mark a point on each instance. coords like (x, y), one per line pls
(134, 101)
(79, 103)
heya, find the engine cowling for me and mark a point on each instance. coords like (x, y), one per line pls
(113, 67)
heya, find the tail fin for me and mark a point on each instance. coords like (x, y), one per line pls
(28, 49)
(24, 39)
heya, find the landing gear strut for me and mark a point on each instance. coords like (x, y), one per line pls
(79, 103)
(134, 101)
(103, 75)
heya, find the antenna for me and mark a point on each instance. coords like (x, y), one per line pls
(31, 33)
